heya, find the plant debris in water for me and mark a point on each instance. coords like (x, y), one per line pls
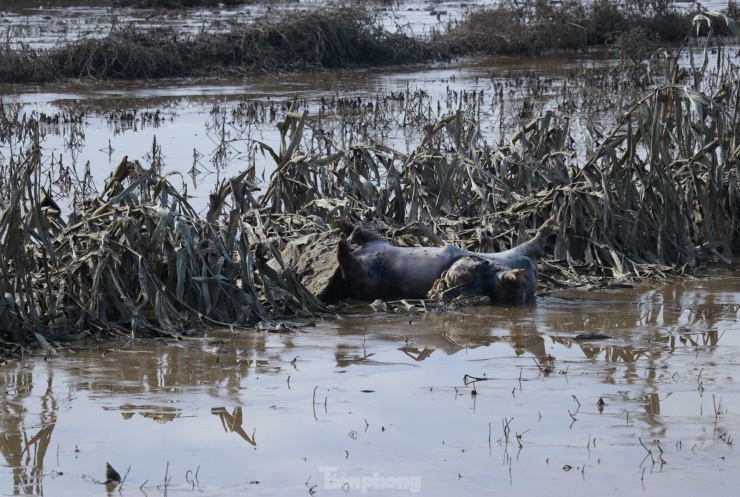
(335, 38)
(653, 198)
(177, 4)
(346, 37)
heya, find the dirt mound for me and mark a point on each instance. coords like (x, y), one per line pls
(313, 258)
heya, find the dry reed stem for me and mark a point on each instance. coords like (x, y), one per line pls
(655, 198)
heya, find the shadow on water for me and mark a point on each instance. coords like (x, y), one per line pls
(579, 379)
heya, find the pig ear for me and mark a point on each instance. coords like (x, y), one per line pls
(514, 277)
(355, 233)
(511, 286)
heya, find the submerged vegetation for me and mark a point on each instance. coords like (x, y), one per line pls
(538, 26)
(654, 196)
(657, 196)
(345, 37)
(299, 41)
(177, 4)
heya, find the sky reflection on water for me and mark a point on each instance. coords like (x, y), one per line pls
(373, 394)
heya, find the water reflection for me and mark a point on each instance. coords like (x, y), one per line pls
(26, 457)
(24, 449)
(232, 423)
(523, 338)
(628, 326)
(347, 355)
(667, 346)
(159, 414)
(417, 354)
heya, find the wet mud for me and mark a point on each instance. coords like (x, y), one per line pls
(493, 398)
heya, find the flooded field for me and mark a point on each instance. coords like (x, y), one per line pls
(209, 130)
(41, 24)
(628, 391)
(45, 25)
(492, 400)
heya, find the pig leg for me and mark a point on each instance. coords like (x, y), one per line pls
(362, 283)
(355, 233)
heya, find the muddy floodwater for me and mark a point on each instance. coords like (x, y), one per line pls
(629, 391)
(490, 401)
(205, 131)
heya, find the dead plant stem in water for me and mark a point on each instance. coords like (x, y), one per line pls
(294, 39)
(654, 198)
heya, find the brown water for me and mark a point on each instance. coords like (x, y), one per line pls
(383, 401)
(196, 120)
(195, 133)
(373, 400)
